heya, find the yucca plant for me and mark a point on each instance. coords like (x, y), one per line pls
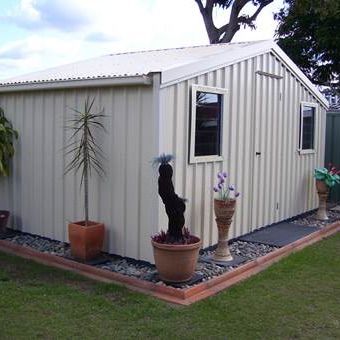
(7, 137)
(86, 152)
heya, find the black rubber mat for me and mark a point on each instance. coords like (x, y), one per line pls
(279, 234)
(234, 262)
(7, 233)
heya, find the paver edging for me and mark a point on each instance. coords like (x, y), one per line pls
(170, 294)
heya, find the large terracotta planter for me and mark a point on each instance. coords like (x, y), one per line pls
(86, 242)
(176, 263)
(323, 191)
(224, 212)
(4, 216)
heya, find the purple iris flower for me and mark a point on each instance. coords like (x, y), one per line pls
(237, 194)
(216, 189)
(225, 175)
(231, 188)
(220, 185)
(220, 175)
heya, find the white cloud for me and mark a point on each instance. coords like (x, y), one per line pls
(64, 15)
(63, 31)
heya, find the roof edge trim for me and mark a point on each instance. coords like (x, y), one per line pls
(78, 83)
(181, 73)
(299, 74)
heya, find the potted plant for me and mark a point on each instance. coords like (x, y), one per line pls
(176, 250)
(325, 179)
(224, 207)
(86, 237)
(7, 137)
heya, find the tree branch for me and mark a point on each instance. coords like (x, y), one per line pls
(206, 12)
(225, 33)
(248, 20)
(228, 31)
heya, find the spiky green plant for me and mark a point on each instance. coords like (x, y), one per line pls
(87, 154)
(7, 137)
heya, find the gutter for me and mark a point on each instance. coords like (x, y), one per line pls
(76, 83)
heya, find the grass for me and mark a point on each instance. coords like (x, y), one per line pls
(298, 298)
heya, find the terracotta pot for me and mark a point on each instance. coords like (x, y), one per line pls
(176, 262)
(323, 191)
(224, 211)
(321, 187)
(86, 242)
(4, 216)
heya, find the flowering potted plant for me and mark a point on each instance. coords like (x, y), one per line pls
(176, 250)
(7, 137)
(224, 207)
(86, 237)
(326, 178)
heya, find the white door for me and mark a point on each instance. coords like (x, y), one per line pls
(267, 139)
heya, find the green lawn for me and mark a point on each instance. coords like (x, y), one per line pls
(298, 298)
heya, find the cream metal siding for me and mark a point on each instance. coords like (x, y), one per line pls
(42, 199)
(262, 114)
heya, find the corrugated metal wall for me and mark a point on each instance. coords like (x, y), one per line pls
(332, 151)
(42, 200)
(262, 115)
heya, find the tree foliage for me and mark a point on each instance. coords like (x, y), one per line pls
(225, 33)
(309, 32)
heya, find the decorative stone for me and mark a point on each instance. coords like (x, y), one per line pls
(146, 271)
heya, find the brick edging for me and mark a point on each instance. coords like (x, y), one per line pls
(170, 294)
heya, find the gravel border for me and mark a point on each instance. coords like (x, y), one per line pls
(145, 271)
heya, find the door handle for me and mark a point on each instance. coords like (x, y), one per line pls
(258, 153)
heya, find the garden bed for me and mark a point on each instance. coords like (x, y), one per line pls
(143, 275)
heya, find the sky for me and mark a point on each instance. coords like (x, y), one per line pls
(38, 34)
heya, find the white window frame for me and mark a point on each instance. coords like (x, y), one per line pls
(211, 158)
(302, 105)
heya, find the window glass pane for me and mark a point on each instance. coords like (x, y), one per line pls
(308, 121)
(208, 124)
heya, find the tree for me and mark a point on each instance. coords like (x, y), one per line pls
(226, 32)
(308, 32)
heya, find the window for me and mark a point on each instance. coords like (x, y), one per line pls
(307, 126)
(206, 123)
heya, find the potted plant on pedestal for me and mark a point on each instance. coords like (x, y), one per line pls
(224, 207)
(325, 179)
(7, 137)
(176, 250)
(86, 237)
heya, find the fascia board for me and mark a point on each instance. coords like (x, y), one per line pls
(79, 83)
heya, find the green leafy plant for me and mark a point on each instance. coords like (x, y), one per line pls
(330, 176)
(7, 137)
(84, 148)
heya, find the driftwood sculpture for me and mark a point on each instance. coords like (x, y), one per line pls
(174, 205)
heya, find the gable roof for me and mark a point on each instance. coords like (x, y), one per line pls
(127, 64)
(135, 67)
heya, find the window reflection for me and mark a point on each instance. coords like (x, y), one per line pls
(208, 124)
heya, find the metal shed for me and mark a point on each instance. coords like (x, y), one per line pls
(267, 130)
